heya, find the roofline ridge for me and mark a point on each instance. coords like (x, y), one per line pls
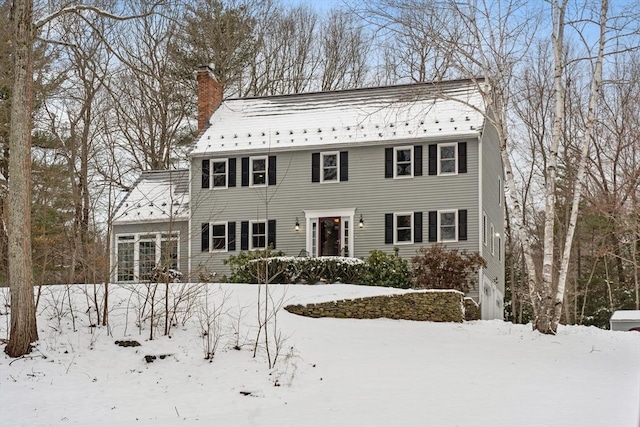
(358, 89)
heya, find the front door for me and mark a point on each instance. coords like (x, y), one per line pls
(329, 232)
(329, 242)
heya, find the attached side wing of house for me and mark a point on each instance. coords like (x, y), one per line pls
(150, 226)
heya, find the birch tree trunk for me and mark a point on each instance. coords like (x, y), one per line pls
(23, 317)
(596, 84)
(543, 298)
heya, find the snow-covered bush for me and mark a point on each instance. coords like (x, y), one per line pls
(254, 267)
(162, 274)
(340, 269)
(242, 271)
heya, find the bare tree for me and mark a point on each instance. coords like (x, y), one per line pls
(24, 31)
(151, 107)
(344, 52)
(407, 38)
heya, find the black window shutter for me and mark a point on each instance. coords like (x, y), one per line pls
(245, 171)
(433, 159)
(388, 162)
(417, 227)
(315, 167)
(232, 173)
(272, 170)
(231, 236)
(462, 157)
(205, 237)
(244, 236)
(271, 233)
(462, 224)
(205, 173)
(388, 228)
(344, 166)
(433, 226)
(417, 160)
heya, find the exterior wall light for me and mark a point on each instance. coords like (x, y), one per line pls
(297, 227)
(361, 222)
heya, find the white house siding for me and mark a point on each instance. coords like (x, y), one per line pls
(367, 191)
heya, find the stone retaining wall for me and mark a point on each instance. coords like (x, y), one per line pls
(435, 306)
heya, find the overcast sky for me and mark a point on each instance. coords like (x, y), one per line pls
(318, 4)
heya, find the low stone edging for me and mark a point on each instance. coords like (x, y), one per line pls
(434, 306)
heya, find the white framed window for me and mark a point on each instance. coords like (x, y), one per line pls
(499, 249)
(147, 255)
(138, 254)
(169, 251)
(258, 234)
(126, 258)
(219, 171)
(403, 228)
(258, 172)
(447, 159)
(448, 226)
(330, 167)
(484, 228)
(403, 162)
(493, 240)
(218, 237)
(500, 191)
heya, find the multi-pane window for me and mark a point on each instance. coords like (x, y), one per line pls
(448, 226)
(219, 237)
(314, 238)
(169, 251)
(403, 161)
(126, 256)
(447, 158)
(219, 173)
(147, 257)
(404, 228)
(139, 254)
(258, 235)
(346, 238)
(258, 170)
(330, 167)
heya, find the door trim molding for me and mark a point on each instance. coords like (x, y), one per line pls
(316, 214)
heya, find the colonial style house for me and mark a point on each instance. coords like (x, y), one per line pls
(325, 174)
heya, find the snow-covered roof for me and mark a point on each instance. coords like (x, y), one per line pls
(626, 315)
(354, 117)
(157, 196)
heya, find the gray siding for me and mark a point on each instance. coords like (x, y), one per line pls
(181, 227)
(492, 172)
(367, 190)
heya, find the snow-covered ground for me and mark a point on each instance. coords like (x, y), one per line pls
(330, 372)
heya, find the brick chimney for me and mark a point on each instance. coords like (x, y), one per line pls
(209, 95)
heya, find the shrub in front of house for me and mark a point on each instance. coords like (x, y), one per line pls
(245, 268)
(256, 266)
(382, 269)
(437, 267)
(337, 269)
